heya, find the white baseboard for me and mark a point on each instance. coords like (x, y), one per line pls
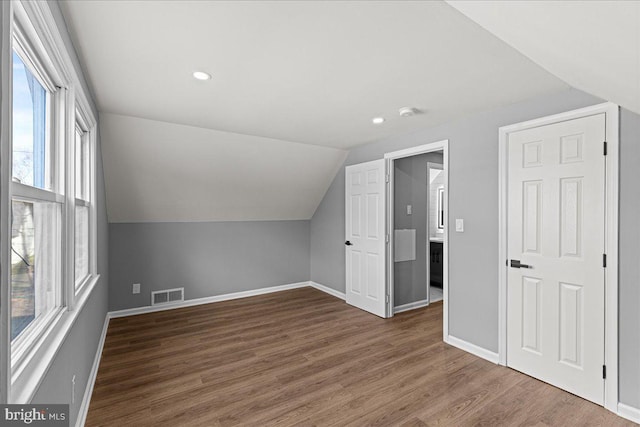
(86, 400)
(410, 306)
(205, 300)
(225, 297)
(629, 412)
(327, 290)
(472, 348)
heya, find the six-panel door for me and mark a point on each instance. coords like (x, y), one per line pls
(365, 232)
(555, 314)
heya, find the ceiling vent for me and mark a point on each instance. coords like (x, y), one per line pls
(167, 296)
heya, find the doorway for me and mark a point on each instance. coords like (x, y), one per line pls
(369, 231)
(417, 222)
(417, 239)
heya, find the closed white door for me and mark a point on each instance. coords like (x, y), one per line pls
(555, 312)
(365, 236)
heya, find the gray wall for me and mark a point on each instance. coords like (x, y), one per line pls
(473, 196)
(629, 258)
(77, 353)
(206, 258)
(411, 188)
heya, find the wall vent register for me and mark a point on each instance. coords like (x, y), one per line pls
(167, 296)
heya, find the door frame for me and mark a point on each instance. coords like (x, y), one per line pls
(389, 159)
(611, 112)
(431, 165)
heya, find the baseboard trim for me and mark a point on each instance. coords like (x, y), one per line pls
(472, 348)
(629, 412)
(410, 306)
(327, 290)
(91, 381)
(205, 300)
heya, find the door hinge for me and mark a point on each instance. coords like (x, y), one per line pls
(386, 178)
(386, 238)
(604, 260)
(605, 147)
(386, 298)
(604, 372)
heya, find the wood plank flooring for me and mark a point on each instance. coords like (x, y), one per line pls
(304, 358)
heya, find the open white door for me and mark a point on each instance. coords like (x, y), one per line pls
(365, 236)
(556, 242)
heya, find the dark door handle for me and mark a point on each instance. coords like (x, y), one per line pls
(515, 263)
(348, 243)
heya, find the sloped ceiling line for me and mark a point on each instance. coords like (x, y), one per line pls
(311, 72)
(594, 46)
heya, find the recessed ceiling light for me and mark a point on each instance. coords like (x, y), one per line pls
(201, 75)
(378, 120)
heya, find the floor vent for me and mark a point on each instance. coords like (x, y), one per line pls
(166, 296)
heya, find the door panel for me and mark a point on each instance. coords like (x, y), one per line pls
(365, 230)
(556, 225)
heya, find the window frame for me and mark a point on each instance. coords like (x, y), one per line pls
(35, 30)
(25, 342)
(29, 337)
(83, 120)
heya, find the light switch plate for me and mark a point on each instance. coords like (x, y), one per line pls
(459, 225)
(408, 209)
(136, 288)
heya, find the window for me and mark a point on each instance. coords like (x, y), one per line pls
(49, 236)
(30, 139)
(82, 204)
(36, 210)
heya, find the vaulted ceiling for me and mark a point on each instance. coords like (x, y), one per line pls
(594, 46)
(294, 85)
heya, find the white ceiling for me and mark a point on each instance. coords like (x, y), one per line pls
(289, 78)
(594, 46)
(164, 172)
(314, 72)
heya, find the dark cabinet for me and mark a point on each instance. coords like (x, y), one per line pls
(436, 263)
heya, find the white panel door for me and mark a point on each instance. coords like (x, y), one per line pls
(365, 236)
(555, 310)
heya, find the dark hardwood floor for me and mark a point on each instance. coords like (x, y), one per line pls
(302, 357)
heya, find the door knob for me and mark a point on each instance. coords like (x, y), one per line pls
(515, 263)
(348, 243)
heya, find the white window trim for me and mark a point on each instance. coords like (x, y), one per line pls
(26, 379)
(38, 28)
(85, 118)
(6, 79)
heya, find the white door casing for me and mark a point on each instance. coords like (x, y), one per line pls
(431, 223)
(556, 224)
(365, 236)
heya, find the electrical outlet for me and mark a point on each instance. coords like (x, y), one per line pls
(408, 209)
(459, 225)
(73, 390)
(136, 288)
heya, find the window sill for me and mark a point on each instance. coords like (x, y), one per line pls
(28, 375)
